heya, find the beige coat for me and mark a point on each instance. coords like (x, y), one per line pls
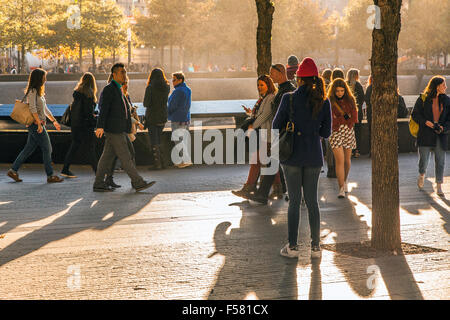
(264, 115)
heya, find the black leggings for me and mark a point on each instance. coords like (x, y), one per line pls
(80, 136)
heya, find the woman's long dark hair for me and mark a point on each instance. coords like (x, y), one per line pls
(315, 89)
(431, 89)
(157, 78)
(36, 81)
(87, 86)
(269, 83)
(348, 95)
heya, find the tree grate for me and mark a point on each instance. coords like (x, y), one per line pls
(365, 251)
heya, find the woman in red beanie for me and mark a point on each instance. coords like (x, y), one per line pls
(342, 140)
(312, 120)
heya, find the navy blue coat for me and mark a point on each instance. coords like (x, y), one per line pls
(114, 116)
(307, 145)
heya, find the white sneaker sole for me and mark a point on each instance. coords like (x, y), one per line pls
(183, 165)
(288, 255)
(68, 176)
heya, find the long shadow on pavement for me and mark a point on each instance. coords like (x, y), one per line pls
(94, 211)
(252, 263)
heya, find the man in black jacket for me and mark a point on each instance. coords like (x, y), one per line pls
(279, 76)
(114, 121)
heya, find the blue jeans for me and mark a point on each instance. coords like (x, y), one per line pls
(439, 160)
(177, 125)
(35, 139)
(306, 178)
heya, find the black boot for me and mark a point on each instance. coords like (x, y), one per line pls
(110, 182)
(157, 163)
(331, 173)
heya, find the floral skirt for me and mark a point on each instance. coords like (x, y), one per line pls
(344, 137)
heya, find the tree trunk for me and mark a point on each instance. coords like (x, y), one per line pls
(19, 62)
(162, 57)
(93, 61)
(114, 56)
(385, 176)
(171, 57)
(22, 53)
(80, 59)
(265, 10)
(181, 55)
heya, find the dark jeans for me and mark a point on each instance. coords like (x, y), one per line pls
(80, 136)
(116, 144)
(155, 134)
(35, 139)
(306, 178)
(267, 182)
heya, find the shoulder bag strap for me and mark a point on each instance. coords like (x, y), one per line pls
(339, 108)
(290, 124)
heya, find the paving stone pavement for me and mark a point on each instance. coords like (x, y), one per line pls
(188, 237)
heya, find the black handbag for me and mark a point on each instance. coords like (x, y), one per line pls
(286, 140)
(66, 117)
(247, 122)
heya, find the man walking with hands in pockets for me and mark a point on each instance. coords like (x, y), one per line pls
(114, 122)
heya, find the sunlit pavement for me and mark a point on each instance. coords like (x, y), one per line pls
(188, 237)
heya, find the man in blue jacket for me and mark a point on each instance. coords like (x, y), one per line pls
(179, 113)
(114, 122)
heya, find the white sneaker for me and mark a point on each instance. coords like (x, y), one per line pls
(288, 252)
(439, 191)
(421, 181)
(341, 193)
(316, 252)
(183, 165)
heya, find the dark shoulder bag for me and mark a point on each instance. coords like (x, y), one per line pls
(286, 141)
(66, 117)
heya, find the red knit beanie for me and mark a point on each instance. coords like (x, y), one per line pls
(307, 68)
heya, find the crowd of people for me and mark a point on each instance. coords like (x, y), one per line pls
(324, 112)
(116, 120)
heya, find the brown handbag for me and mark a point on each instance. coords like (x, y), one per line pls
(21, 113)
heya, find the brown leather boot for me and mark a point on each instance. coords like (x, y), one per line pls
(245, 192)
(53, 179)
(14, 175)
(277, 192)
